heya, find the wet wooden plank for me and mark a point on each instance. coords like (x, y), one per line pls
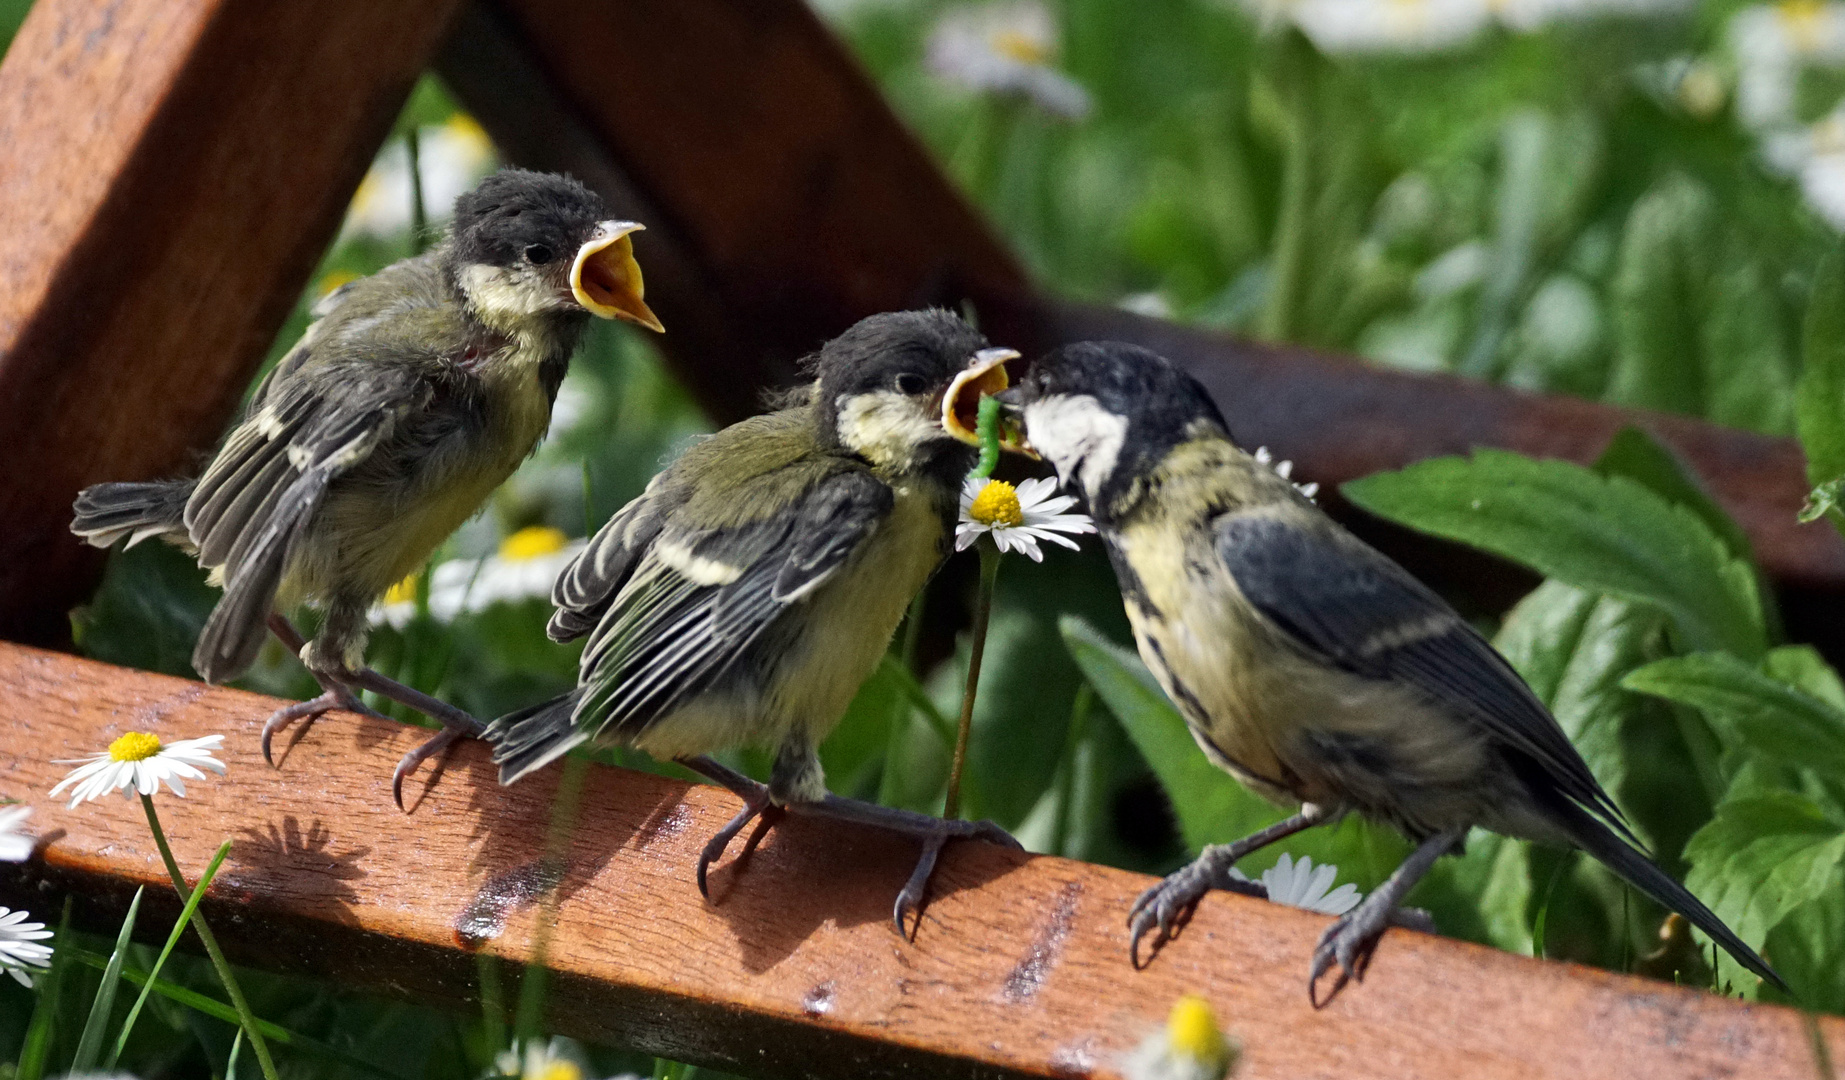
(792, 968)
(173, 169)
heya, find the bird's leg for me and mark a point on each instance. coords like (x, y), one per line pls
(1351, 939)
(1181, 890)
(756, 803)
(336, 694)
(341, 680)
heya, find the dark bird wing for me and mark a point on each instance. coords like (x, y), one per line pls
(696, 599)
(266, 482)
(1339, 598)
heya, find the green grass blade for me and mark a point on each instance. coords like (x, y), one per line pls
(185, 917)
(89, 1045)
(219, 1010)
(37, 1046)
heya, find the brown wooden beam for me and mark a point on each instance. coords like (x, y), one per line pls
(172, 171)
(792, 968)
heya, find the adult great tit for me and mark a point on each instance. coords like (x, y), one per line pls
(1306, 663)
(745, 595)
(411, 397)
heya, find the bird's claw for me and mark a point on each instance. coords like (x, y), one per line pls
(337, 697)
(910, 898)
(1349, 941)
(1163, 904)
(754, 806)
(429, 748)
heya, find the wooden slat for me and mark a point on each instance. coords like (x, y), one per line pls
(172, 171)
(793, 968)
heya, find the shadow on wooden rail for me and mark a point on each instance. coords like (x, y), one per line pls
(792, 968)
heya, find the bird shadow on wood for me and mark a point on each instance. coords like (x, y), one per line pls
(809, 873)
(288, 862)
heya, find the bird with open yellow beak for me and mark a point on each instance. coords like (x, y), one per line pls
(414, 394)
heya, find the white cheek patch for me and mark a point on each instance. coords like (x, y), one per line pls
(1080, 437)
(508, 292)
(885, 427)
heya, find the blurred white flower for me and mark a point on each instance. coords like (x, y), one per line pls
(1771, 44)
(1017, 518)
(15, 846)
(140, 762)
(1006, 48)
(1526, 15)
(19, 948)
(1190, 1047)
(523, 568)
(1369, 26)
(1303, 885)
(451, 156)
(556, 1059)
(1153, 305)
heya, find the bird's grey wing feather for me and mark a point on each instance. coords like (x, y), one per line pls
(584, 588)
(256, 496)
(698, 599)
(1337, 597)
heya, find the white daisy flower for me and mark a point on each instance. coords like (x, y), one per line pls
(552, 1060)
(523, 568)
(1017, 518)
(1303, 885)
(1189, 1048)
(140, 762)
(19, 948)
(1285, 470)
(1399, 26)
(1772, 43)
(1006, 49)
(15, 846)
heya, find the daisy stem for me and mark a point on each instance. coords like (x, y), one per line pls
(244, 1015)
(983, 608)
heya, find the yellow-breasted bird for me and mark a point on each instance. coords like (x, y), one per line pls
(415, 392)
(1307, 664)
(745, 595)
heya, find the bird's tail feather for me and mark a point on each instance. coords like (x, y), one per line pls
(1640, 872)
(534, 737)
(239, 625)
(105, 513)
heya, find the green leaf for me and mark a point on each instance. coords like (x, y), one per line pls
(1602, 533)
(1820, 412)
(1823, 501)
(89, 1045)
(179, 927)
(1660, 286)
(1212, 808)
(1759, 858)
(1638, 456)
(1769, 716)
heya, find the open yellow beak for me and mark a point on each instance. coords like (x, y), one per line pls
(985, 376)
(606, 280)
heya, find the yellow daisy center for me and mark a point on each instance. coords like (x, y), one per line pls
(134, 746)
(404, 592)
(997, 506)
(558, 1070)
(532, 542)
(333, 280)
(1020, 46)
(1192, 1030)
(1802, 19)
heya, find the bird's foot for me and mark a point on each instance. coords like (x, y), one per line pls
(1165, 904)
(335, 696)
(1349, 941)
(932, 831)
(756, 807)
(456, 724)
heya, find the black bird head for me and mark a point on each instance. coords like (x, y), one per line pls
(525, 244)
(881, 385)
(1105, 412)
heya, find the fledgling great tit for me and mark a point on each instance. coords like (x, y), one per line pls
(745, 595)
(1307, 664)
(411, 397)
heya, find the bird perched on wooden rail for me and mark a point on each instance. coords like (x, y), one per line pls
(1307, 664)
(415, 392)
(745, 595)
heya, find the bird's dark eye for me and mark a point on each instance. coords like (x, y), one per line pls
(910, 383)
(538, 254)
